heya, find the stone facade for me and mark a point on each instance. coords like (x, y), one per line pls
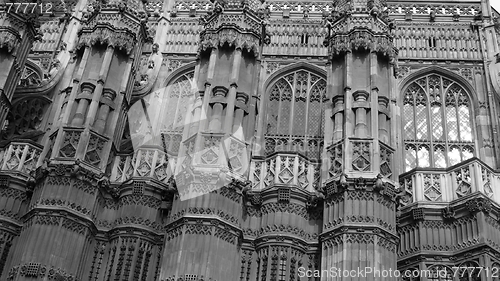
(245, 140)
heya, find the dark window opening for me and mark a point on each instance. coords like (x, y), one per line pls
(432, 42)
(304, 39)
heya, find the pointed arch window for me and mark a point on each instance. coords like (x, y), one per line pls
(295, 114)
(437, 124)
(178, 94)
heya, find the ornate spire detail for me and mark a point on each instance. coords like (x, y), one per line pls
(352, 27)
(235, 24)
(114, 24)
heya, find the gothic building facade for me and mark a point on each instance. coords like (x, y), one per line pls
(249, 140)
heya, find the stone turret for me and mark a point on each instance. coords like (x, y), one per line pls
(360, 207)
(213, 159)
(90, 121)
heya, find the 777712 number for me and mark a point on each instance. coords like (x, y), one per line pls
(475, 271)
(29, 8)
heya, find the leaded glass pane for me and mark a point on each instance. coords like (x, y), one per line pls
(454, 155)
(421, 121)
(272, 118)
(180, 92)
(410, 157)
(436, 114)
(170, 112)
(284, 115)
(451, 121)
(439, 157)
(464, 123)
(467, 153)
(423, 156)
(409, 125)
(314, 123)
(299, 119)
(295, 112)
(437, 122)
(176, 141)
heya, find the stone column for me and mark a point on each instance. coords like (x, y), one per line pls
(360, 205)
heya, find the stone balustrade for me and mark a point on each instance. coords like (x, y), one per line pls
(144, 162)
(445, 185)
(285, 169)
(20, 157)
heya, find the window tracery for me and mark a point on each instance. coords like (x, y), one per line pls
(295, 114)
(178, 95)
(26, 118)
(437, 126)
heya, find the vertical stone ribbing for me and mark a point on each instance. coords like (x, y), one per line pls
(82, 146)
(360, 206)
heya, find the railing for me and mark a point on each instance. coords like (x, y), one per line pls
(145, 162)
(20, 156)
(445, 185)
(285, 168)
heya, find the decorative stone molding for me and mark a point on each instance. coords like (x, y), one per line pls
(448, 213)
(479, 205)
(206, 211)
(231, 36)
(365, 39)
(130, 220)
(120, 39)
(418, 214)
(62, 203)
(37, 270)
(282, 230)
(22, 157)
(291, 208)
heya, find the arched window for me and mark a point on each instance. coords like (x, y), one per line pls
(440, 273)
(295, 114)
(162, 114)
(437, 126)
(179, 95)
